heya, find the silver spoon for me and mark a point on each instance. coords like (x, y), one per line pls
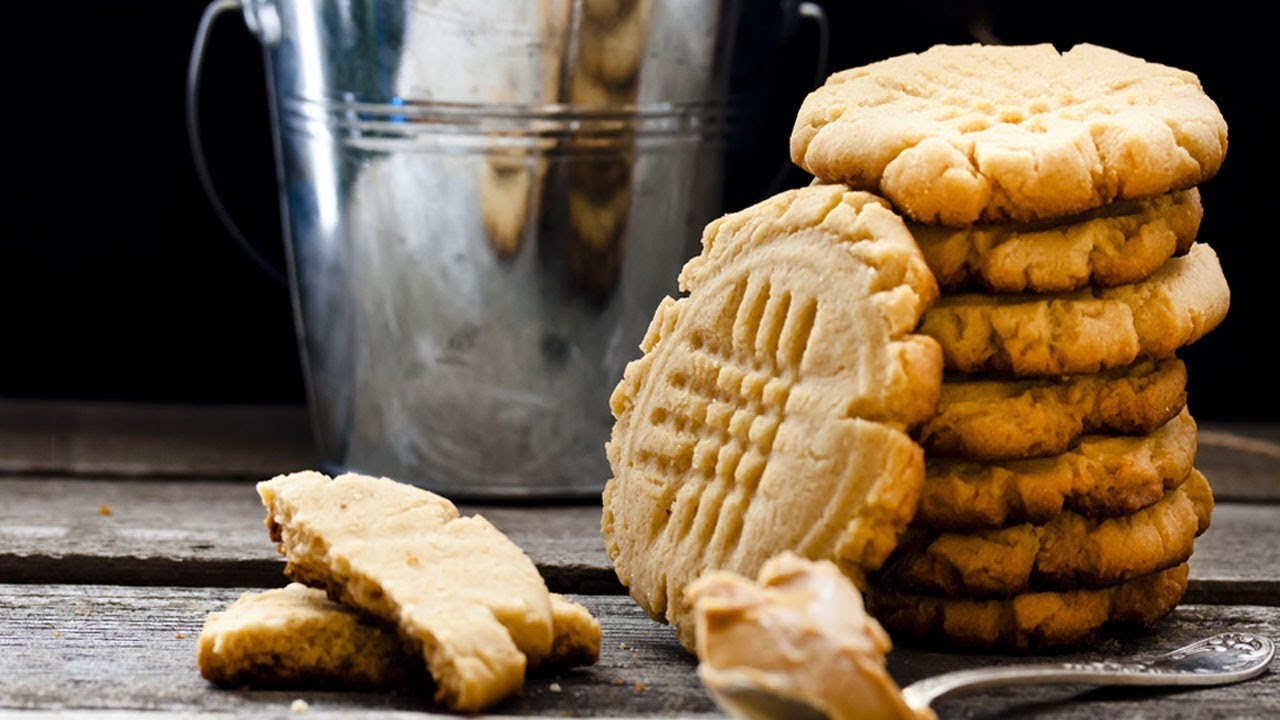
(1218, 660)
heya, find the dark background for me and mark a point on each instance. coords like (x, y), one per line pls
(117, 282)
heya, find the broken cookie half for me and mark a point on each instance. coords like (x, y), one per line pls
(296, 636)
(457, 591)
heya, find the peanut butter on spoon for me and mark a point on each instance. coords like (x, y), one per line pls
(798, 633)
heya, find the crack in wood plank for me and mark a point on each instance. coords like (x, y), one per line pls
(211, 533)
(99, 649)
(70, 438)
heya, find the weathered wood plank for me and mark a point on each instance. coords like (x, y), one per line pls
(255, 442)
(1237, 560)
(104, 648)
(210, 533)
(1242, 461)
(77, 438)
(1254, 699)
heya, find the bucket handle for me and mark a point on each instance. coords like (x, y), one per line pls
(263, 21)
(814, 13)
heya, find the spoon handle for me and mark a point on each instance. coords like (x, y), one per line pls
(1218, 660)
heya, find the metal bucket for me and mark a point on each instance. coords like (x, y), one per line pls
(484, 203)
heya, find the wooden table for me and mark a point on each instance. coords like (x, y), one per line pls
(122, 526)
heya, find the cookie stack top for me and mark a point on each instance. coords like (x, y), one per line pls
(1062, 186)
(958, 135)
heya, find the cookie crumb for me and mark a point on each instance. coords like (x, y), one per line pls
(639, 687)
(299, 706)
(554, 687)
(622, 646)
(104, 509)
(179, 636)
(57, 633)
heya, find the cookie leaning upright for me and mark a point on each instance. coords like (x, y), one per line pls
(770, 408)
(964, 134)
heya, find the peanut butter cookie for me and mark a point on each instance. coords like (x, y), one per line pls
(456, 588)
(1038, 620)
(1085, 331)
(983, 419)
(963, 134)
(1103, 476)
(295, 635)
(1069, 552)
(1116, 244)
(769, 410)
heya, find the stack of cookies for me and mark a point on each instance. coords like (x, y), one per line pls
(1054, 197)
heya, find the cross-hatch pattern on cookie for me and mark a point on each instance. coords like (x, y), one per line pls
(770, 408)
(725, 410)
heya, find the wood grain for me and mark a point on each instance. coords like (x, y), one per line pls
(1242, 461)
(211, 533)
(97, 649)
(1237, 560)
(198, 533)
(77, 438)
(255, 442)
(72, 647)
